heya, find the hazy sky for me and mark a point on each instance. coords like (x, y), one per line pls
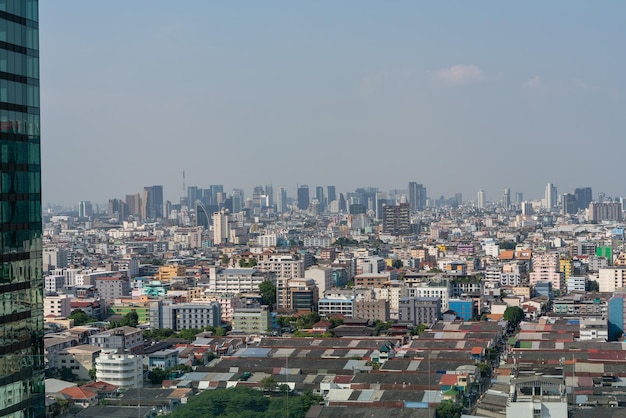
(458, 96)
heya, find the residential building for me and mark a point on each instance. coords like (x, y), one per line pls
(236, 280)
(57, 305)
(123, 370)
(419, 310)
(465, 309)
(128, 339)
(336, 305)
(300, 295)
(252, 320)
(397, 219)
(372, 310)
(546, 267)
(282, 265)
(79, 359)
(611, 279)
(323, 277)
(163, 359)
(111, 288)
(21, 264)
(605, 211)
(179, 316)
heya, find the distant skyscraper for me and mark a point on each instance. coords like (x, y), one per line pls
(550, 198)
(21, 264)
(152, 203)
(194, 193)
(459, 198)
(319, 195)
(331, 193)
(238, 200)
(482, 199)
(117, 209)
(282, 200)
(85, 209)
(133, 204)
(215, 189)
(570, 205)
(269, 193)
(519, 198)
(583, 197)
(417, 196)
(506, 198)
(303, 197)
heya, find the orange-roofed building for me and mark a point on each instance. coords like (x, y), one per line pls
(80, 396)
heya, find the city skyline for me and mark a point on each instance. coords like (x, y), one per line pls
(458, 98)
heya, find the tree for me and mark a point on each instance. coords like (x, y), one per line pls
(448, 409)
(92, 374)
(268, 383)
(592, 286)
(268, 292)
(225, 259)
(157, 376)
(66, 374)
(80, 317)
(131, 319)
(397, 264)
(419, 329)
(513, 315)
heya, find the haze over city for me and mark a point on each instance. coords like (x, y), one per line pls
(456, 96)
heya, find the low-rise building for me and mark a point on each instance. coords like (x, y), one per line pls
(123, 370)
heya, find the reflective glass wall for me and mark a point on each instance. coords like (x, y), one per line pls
(21, 281)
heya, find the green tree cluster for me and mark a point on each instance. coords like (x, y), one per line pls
(513, 315)
(268, 292)
(131, 319)
(80, 317)
(244, 402)
(448, 409)
(247, 263)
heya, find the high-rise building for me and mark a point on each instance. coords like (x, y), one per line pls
(85, 209)
(152, 203)
(319, 195)
(331, 194)
(570, 205)
(237, 200)
(193, 193)
(282, 200)
(583, 197)
(269, 193)
(21, 281)
(519, 198)
(303, 197)
(417, 196)
(506, 198)
(397, 219)
(133, 204)
(550, 198)
(482, 199)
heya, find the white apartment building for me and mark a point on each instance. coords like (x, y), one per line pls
(430, 291)
(282, 266)
(123, 370)
(323, 277)
(54, 283)
(235, 280)
(268, 240)
(59, 306)
(611, 278)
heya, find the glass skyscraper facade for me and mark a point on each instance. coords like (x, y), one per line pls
(21, 280)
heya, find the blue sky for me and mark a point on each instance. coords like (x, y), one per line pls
(459, 96)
